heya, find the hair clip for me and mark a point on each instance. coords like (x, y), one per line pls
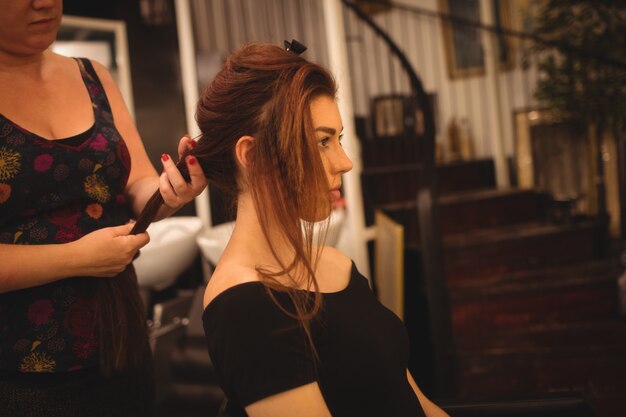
(295, 47)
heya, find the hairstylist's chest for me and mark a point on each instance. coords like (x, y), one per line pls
(58, 108)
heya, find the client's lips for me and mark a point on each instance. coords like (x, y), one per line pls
(335, 193)
(45, 21)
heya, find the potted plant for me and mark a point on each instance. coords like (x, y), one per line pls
(582, 75)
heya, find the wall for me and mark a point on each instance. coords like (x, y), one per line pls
(222, 25)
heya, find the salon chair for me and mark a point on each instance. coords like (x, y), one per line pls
(546, 407)
(167, 329)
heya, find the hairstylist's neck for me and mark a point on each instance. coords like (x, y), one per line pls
(29, 65)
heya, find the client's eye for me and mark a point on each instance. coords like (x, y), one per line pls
(324, 142)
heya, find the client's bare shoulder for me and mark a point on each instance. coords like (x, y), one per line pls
(227, 274)
(333, 270)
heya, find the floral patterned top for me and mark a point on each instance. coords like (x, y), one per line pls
(56, 191)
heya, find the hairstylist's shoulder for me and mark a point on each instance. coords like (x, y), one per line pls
(62, 71)
(114, 96)
(103, 74)
(61, 62)
(125, 124)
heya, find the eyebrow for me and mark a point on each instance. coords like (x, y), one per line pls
(328, 130)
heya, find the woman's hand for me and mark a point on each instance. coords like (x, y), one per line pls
(143, 179)
(107, 252)
(175, 190)
(102, 253)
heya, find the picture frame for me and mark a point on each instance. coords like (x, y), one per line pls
(389, 116)
(552, 154)
(555, 153)
(463, 44)
(503, 19)
(389, 262)
(397, 115)
(525, 14)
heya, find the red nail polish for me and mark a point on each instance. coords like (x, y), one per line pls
(192, 143)
(165, 157)
(191, 160)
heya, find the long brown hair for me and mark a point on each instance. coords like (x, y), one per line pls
(266, 92)
(121, 321)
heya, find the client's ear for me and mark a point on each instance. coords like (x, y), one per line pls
(242, 151)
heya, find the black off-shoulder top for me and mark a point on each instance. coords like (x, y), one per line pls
(362, 350)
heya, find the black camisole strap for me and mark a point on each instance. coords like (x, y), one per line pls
(94, 86)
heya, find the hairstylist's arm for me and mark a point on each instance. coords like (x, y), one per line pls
(143, 180)
(103, 253)
(304, 401)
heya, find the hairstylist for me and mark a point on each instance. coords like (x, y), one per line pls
(73, 172)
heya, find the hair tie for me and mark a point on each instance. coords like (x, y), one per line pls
(295, 47)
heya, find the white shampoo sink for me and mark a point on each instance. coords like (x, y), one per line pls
(171, 251)
(213, 241)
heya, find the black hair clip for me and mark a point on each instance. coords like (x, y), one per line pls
(295, 47)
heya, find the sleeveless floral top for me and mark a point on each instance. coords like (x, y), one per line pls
(52, 192)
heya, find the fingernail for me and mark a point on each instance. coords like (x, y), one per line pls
(165, 157)
(192, 143)
(191, 160)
